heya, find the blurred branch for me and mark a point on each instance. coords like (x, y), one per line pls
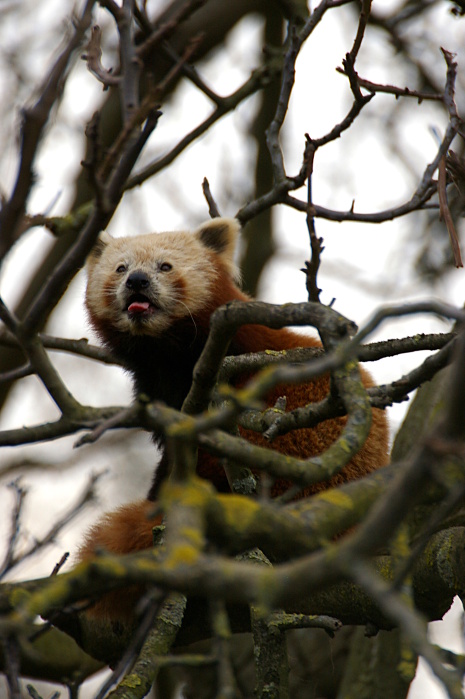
(13, 558)
(412, 624)
(130, 65)
(235, 365)
(224, 105)
(300, 585)
(153, 639)
(98, 219)
(10, 651)
(33, 123)
(449, 100)
(93, 57)
(280, 192)
(88, 418)
(401, 41)
(20, 494)
(160, 33)
(52, 656)
(80, 347)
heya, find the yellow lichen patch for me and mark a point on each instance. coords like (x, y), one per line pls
(42, 601)
(180, 555)
(192, 536)
(337, 498)
(401, 542)
(108, 566)
(132, 681)
(266, 590)
(239, 511)
(184, 428)
(19, 597)
(407, 667)
(192, 492)
(344, 446)
(384, 568)
(147, 564)
(276, 353)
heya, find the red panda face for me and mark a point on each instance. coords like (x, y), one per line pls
(141, 285)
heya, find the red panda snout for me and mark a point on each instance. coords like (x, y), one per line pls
(140, 302)
(138, 280)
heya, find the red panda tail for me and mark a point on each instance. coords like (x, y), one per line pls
(125, 530)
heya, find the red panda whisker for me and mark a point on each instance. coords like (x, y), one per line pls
(191, 317)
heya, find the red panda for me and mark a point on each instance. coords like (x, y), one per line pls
(149, 299)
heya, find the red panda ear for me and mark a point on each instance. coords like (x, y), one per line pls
(220, 235)
(100, 245)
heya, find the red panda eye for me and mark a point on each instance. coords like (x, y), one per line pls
(121, 268)
(165, 267)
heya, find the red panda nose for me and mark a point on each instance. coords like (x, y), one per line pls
(137, 281)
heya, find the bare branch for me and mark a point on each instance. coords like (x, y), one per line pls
(362, 25)
(97, 221)
(316, 244)
(93, 58)
(20, 494)
(130, 64)
(162, 32)
(59, 344)
(212, 207)
(224, 106)
(34, 121)
(393, 90)
(446, 214)
(13, 558)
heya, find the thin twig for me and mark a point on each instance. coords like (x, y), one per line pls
(396, 91)
(11, 656)
(287, 83)
(132, 651)
(410, 622)
(58, 566)
(93, 59)
(149, 106)
(20, 494)
(126, 416)
(163, 31)
(34, 120)
(362, 24)
(224, 105)
(80, 348)
(49, 537)
(98, 219)
(316, 244)
(212, 206)
(446, 214)
(130, 64)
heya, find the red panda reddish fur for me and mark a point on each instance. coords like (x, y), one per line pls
(150, 299)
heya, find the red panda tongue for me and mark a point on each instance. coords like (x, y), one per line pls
(139, 307)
